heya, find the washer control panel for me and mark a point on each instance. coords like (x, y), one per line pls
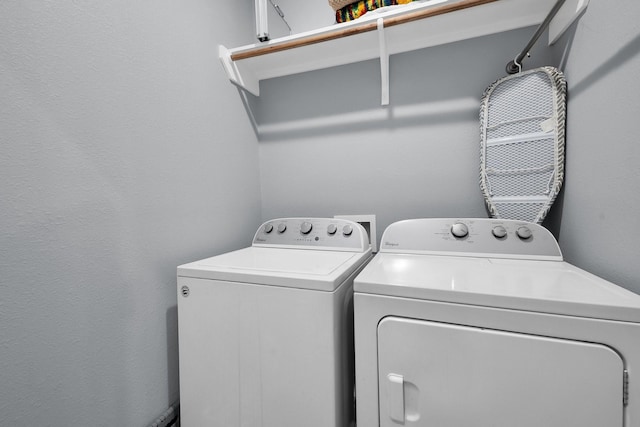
(491, 238)
(313, 233)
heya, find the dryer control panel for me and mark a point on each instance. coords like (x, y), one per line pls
(313, 233)
(477, 237)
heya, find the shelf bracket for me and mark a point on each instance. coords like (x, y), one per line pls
(384, 63)
(245, 80)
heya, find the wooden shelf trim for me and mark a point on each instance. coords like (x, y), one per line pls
(364, 28)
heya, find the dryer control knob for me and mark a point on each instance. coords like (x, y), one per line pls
(499, 232)
(332, 228)
(268, 228)
(306, 228)
(524, 233)
(282, 227)
(459, 230)
(347, 230)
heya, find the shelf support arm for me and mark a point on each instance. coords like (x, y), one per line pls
(384, 63)
(245, 80)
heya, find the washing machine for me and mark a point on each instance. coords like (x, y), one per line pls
(480, 322)
(266, 332)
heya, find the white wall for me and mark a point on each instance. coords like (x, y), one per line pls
(306, 15)
(596, 217)
(125, 152)
(328, 147)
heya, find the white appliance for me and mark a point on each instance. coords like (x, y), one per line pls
(265, 332)
(480, 322)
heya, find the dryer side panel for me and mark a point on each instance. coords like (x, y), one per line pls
(438, 374)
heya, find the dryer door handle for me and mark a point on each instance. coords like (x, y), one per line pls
(395, 397)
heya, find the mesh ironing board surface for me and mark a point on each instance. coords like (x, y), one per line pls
(522, 120)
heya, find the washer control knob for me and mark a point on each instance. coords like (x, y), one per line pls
(524, 233)
(268, 228)
(347, 230)
(459, 230)
(282, 227)
(499, 232)
(332, 228)
(306, 228)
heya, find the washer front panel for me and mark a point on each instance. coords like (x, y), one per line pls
(436, 374)
(266, 356)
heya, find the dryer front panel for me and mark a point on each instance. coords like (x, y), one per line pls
(443, 375)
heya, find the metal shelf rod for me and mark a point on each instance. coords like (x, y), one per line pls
(515, 65)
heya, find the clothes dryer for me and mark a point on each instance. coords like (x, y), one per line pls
(265, 332)
(480, 322)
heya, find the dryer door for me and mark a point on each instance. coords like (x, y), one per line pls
(441, 375)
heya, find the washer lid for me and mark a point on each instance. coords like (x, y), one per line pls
(530, 285)
(296, 268)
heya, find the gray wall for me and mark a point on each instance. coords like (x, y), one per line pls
(328, 147)
(596, 217)
(125, 152)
